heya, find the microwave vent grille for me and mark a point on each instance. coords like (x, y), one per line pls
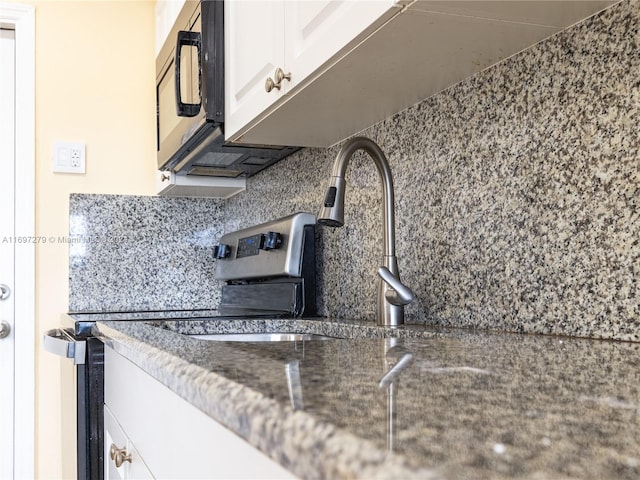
(218, 159)
(214, 172)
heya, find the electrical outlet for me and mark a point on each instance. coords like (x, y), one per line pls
(76, 155)
(69, 157)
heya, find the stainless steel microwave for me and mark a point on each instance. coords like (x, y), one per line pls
(190, 101)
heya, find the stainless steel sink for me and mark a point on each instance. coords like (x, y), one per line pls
(262, 337)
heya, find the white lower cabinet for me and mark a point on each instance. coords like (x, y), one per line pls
(165, 437)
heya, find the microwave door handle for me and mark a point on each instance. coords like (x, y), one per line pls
(191, 39)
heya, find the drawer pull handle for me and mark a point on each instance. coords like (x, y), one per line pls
(119, 455)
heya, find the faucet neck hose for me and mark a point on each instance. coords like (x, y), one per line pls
(382, 165)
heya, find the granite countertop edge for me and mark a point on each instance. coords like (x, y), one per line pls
(300, 442)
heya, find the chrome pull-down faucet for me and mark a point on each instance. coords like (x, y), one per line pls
(392, 294)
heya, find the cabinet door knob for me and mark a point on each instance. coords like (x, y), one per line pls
(279, 76)
(4, 292)
(119, 455)
(269, 84)
(5, 329)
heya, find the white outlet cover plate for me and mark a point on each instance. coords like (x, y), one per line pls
(69, 157)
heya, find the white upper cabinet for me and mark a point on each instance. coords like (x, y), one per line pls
(254, 48)
(297, 37)
(316, 31)
(166, 13)
(355, 63)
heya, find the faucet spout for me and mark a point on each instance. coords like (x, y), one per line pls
(392, 295)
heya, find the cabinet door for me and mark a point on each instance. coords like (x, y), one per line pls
(316, 31)
(254, 48)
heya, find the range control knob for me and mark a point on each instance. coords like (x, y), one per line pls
(221, 251)
(271, 241)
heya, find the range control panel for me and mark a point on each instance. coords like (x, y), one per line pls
(249, 246)
(271, 249)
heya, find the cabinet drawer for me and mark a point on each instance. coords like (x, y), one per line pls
(134, 467)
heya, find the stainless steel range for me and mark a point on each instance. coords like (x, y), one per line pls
(268, 270)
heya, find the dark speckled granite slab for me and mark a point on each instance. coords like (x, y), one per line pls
(468, 405)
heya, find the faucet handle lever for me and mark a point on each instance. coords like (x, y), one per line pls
(401, 294)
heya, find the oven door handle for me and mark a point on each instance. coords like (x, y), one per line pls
(62, 342)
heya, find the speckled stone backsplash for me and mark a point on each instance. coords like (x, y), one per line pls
(516, 194)
(516, 204)
(142, 253)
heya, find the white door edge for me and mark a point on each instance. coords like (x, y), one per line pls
(22, 18)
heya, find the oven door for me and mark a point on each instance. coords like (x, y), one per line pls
(88, 356)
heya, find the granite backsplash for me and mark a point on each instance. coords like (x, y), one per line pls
(132, 253)
(516, 202)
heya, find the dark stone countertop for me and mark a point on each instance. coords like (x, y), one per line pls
(463, 404)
